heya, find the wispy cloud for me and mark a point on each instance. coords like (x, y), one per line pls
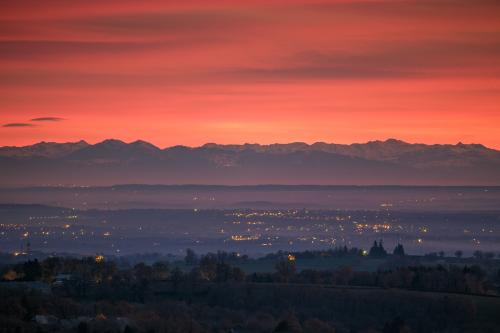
(48, 119)
(18, 125)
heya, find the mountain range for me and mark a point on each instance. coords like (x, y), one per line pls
(390, 162)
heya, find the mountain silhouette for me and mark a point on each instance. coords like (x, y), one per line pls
(390, 162)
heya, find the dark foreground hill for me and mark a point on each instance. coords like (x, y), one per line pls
(376, 162)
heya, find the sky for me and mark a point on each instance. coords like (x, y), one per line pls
(195, 71)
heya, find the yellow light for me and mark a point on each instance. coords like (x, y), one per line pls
(291, 257)
(364, 253)
(99, 258)
(244, 237)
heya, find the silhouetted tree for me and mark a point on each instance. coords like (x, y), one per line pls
(50, 268)
(191, 257)
(285, 270)
(399, 250)
(176, 277)
(32, 270)
(478, 254)
(238, 274)
(377, 250)
(208, 267)
(160, 271)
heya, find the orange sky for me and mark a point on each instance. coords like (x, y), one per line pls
(191, 72)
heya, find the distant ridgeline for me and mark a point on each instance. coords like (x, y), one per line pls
(376, 162)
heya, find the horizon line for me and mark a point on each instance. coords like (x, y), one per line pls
(208, 143)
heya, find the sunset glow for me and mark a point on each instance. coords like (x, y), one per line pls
(191, 72)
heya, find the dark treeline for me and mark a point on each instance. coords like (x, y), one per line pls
(212, 293)
(401, 272)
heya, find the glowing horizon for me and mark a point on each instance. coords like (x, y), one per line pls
(231, 72)
(243, 143)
